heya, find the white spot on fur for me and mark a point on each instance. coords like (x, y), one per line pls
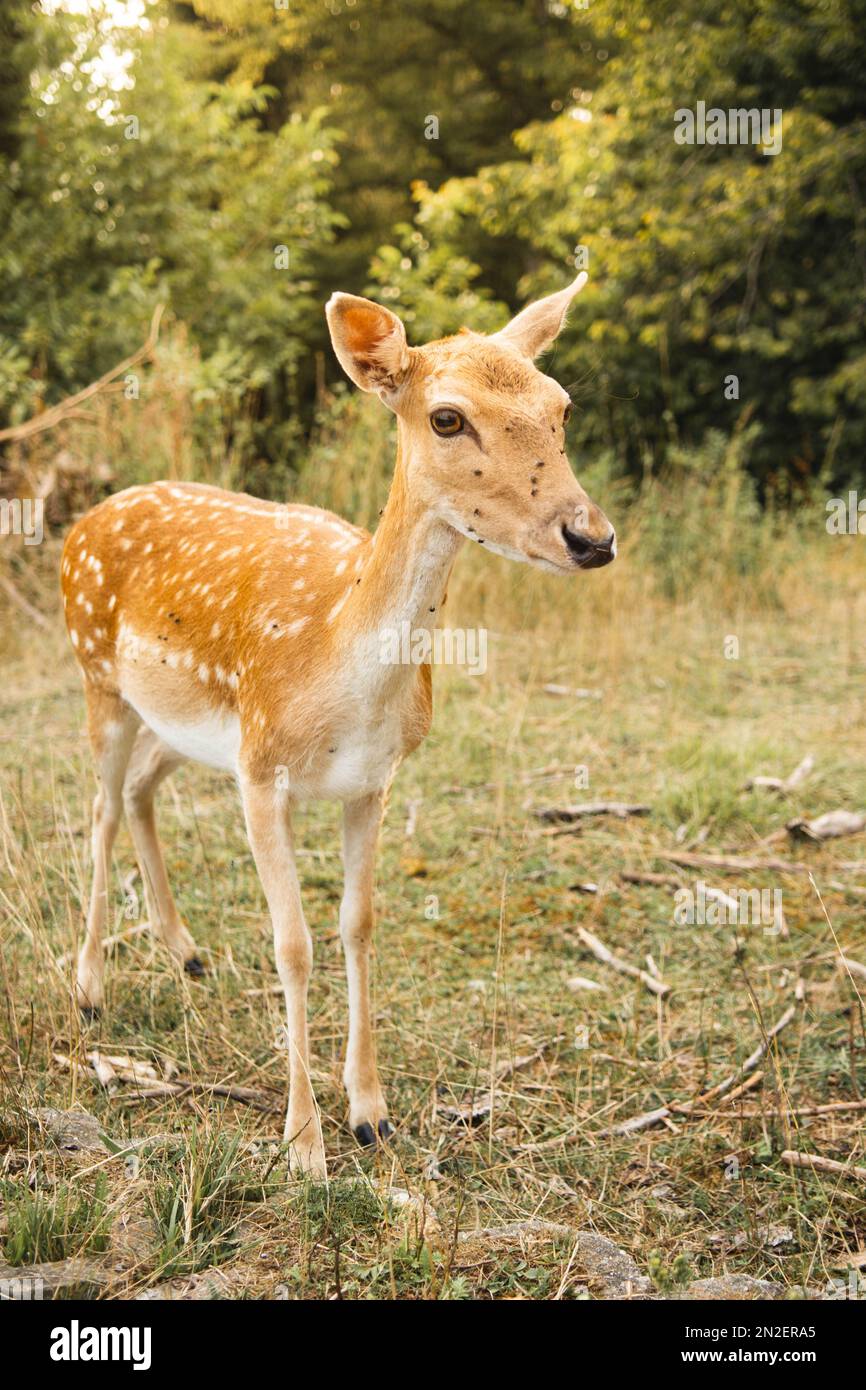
(338, 606)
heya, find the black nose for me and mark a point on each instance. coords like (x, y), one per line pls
(590, 554)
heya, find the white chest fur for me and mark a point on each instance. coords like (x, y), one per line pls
(357, 760)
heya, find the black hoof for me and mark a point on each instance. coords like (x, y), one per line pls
(366, 1135)
(90, 1013)
(194, 967)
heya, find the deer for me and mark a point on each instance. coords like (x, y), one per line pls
(245, 634)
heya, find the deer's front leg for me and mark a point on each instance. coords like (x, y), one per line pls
(368, 1113)
(270, 833)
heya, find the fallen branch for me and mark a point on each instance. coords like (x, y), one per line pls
(57, 413)
(783, 784)
(853, 967)
(578, 982)
(110, 1070)
(578, 692)
(592, 808)
(822, 1165)
(836, 1107)
(752, 1060)
(734, 862)
(688, 1107)
(607, 957)
(665, 1112)
(827, 827)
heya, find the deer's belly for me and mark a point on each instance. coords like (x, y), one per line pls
(170, 705)
(213, 739)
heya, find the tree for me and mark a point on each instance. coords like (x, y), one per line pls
(171, 192)
(706, 261)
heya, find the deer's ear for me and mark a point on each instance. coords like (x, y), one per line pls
(536, 326)
(370, 342)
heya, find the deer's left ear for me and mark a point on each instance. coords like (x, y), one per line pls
(370, 342)
(536, 326)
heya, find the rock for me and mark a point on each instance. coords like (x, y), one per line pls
(71, 1129)
(599, 1258)
(76, 1276)
(596, 1257)
(736, 1286)
(414, 1212)
(204, 1287)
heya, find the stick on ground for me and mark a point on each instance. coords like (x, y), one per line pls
(607, 957)
(664, 1112)
(822, 1165)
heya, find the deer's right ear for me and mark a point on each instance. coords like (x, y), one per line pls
(370, 343)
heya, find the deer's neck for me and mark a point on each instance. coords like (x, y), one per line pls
(405, 577)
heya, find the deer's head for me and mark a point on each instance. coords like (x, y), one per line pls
(482, 429)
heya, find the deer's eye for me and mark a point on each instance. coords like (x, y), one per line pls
(566, 415)
(446, 421)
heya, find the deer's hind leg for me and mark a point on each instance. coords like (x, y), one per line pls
(111, 725)
(151, 762)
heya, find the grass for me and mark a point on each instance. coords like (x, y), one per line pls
(48, 1226)
(478, 904)
(197, 1202)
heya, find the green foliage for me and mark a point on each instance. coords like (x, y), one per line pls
(196, 1202)
(705, 261)
(452, 159)
(169, 192)
(44, 1226)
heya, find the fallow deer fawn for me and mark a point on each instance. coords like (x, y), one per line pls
(246, 634)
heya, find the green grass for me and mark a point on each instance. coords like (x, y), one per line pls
(71, 1220)
(196, 1196)
(476, 943)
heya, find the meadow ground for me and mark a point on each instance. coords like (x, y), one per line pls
(501, 1075)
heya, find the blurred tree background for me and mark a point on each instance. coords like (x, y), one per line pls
(240, 159)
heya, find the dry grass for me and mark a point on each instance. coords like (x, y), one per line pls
(478, 910)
